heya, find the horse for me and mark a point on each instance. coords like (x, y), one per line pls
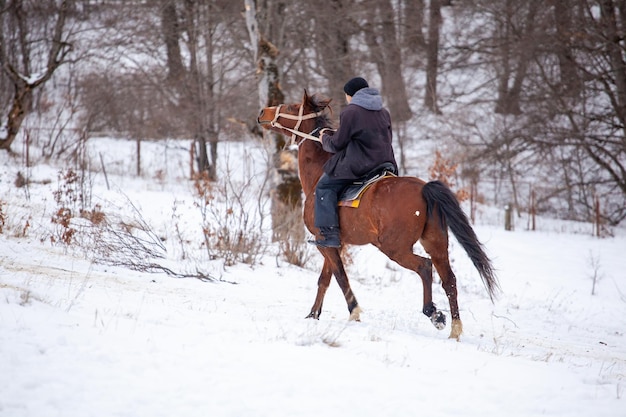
(393, 214)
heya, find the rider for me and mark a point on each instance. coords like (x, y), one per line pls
(360, 144)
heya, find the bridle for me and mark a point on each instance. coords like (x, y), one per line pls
(299, 118)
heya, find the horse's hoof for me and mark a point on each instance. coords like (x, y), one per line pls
(439, 320)
(313, 315)
(456, 330)
(355, 314)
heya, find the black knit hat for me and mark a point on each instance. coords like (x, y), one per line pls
(355, 85)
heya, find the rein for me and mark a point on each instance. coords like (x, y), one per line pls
(300, 117)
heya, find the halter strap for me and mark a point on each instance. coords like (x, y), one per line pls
(299, 118)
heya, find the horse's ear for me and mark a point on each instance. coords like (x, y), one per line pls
(305, 98)
(325, 102)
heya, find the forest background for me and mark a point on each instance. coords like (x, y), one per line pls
(524, 100)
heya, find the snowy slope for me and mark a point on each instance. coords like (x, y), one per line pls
(84, 339)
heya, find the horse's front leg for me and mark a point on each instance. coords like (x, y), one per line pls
(322, 285)
(332, 257)
(344, 284)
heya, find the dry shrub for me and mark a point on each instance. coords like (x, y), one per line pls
(66, 197)
(444, 170)
(95, 215)
(230, 229)
(63, 217)
(290, 235)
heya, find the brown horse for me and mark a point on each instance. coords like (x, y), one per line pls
(393, 215)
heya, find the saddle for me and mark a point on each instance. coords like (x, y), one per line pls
(351, 195)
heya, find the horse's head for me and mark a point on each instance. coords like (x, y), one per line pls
(302, 117)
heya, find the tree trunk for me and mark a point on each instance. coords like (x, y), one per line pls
(615, 52)
(509, 93)
(22, 100)
(570, 81)
(286, 191)
(197, 91)
(412, 23)
(333, 47)
(388, 58)
(171, 36)
(211, 109)
(432, 56)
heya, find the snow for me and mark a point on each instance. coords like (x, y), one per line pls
(34, 78)
(79, 338)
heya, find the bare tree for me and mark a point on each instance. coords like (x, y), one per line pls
(516, 35)
(597, 132)
(560, 84)
(195, 83)
(197, 89)
(34, 43)
(183, 78)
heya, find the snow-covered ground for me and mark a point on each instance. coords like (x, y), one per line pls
(78, 338)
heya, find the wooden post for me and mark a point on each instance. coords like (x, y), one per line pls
(508, 217)
(533, 209)
(106, 178)
(473, 202)
(27, 150)
(138, 157)
(597, 209)
(192, 157)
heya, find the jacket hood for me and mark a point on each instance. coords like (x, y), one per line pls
(368, 98)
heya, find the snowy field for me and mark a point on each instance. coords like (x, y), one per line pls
(79, 338)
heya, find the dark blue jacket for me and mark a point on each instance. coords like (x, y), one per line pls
(363, 140)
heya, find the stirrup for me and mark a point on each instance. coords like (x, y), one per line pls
(326, 243)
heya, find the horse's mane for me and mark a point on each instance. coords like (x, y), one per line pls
(318, 103)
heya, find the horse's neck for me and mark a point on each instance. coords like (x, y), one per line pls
(311, 159)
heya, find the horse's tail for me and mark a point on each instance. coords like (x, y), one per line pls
(439, 197)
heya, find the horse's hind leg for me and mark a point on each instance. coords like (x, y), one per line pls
(448, 282)
(437, 247)
(423, 267)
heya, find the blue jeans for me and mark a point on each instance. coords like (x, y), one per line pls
(326, 198)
